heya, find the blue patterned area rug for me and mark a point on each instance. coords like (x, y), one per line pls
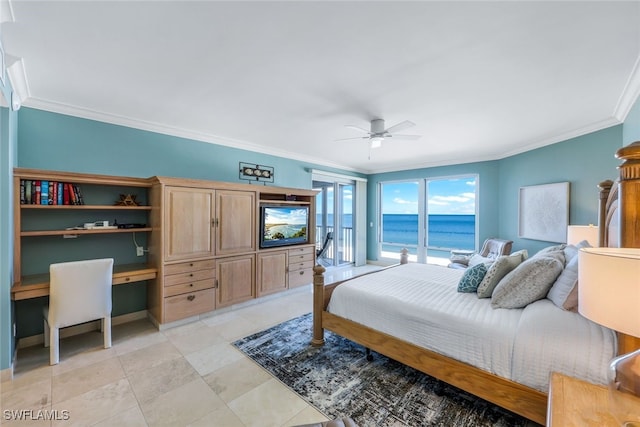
(338, 380)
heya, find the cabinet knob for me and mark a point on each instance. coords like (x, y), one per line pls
(191, 275)
(191, 265)
(126, 279)
(301, 273)
(191, 297)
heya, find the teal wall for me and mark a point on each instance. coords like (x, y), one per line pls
(631, 126)
(584, 161)
(8, 141)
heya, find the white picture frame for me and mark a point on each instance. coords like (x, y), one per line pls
(544, 212)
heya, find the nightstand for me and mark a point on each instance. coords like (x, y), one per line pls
(573, 402)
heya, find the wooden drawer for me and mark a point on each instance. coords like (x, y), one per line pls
(296, 258)
(295, 266)
(130, 278)
(185, 267)
(190, 276)
(189, 287)
(189, 304)
(300, 277)
(302, 250)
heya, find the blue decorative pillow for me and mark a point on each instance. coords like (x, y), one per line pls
(472, 278)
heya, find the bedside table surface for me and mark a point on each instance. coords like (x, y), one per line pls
(573, 402)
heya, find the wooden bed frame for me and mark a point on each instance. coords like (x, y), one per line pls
(619, 219)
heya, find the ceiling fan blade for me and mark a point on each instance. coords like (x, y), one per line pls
(348, 139)
(399, 136)
(400, 126)
(357, 128)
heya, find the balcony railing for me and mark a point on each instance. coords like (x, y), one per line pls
(345, 241)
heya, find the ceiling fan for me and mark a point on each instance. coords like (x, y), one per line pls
(378, 133)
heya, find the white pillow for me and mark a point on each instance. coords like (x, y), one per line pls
(529, 282)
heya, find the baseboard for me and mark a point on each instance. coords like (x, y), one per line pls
(83, 328)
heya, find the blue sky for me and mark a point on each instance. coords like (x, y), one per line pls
(446, 196)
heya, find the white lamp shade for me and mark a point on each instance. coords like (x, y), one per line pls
(578, 233)
(609, 287)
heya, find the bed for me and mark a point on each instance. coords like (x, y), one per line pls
(504, 356)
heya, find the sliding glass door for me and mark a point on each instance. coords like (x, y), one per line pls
(335, 208)
(429, 217)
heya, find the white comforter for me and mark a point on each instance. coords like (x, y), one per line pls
(419, 303)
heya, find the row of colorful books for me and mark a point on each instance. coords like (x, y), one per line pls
(34, 192)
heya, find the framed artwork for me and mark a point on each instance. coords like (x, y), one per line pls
(544, 212)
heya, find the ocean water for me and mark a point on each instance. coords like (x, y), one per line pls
(445, 231)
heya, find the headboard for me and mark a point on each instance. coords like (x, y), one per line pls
(619, 215)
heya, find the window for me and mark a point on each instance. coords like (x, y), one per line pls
(429, 217)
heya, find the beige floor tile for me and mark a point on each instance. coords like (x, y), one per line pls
(150, 383)
(269, 404)
(35, 395)
(194, 400)
(196, 339)
(223, 417)
(183, 329)
(132, 417)
(236, 379)
(213, 357)
(308, 415)
(79, 381)
(85, 357)
(148, 357)
(96, 405)
(138, 341)
(25, 377)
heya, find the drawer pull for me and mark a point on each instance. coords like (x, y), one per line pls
(191, 284)
(191, 297)
(126, 279)
(191, 275)
(301, 273)
(191, 265)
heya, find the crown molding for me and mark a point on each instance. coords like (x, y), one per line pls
(630, 93)
(69, 110)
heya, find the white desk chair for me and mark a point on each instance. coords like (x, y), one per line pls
(79, 291)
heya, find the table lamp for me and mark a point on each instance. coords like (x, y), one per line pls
(578, 233)
(609, 294)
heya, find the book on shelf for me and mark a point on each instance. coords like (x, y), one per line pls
(49, 193)
(44, 193)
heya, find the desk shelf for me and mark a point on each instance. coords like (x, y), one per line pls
(37, 285)
(81, 231)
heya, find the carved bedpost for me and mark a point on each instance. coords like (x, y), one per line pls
(605, 189)
(629, 211)
(318, 305)
(404, 256)
(629, 195)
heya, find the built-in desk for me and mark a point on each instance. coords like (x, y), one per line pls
(38, 285)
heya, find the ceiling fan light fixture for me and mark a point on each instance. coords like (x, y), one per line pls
(376, 141)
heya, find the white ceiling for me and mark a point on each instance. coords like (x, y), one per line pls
(481, 80)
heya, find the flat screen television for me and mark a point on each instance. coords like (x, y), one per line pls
(283, 225)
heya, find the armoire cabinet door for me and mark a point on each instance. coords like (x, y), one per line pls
(236, 222)
(189, 223)
(236, 279)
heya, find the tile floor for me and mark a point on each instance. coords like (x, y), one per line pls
(189, 375)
